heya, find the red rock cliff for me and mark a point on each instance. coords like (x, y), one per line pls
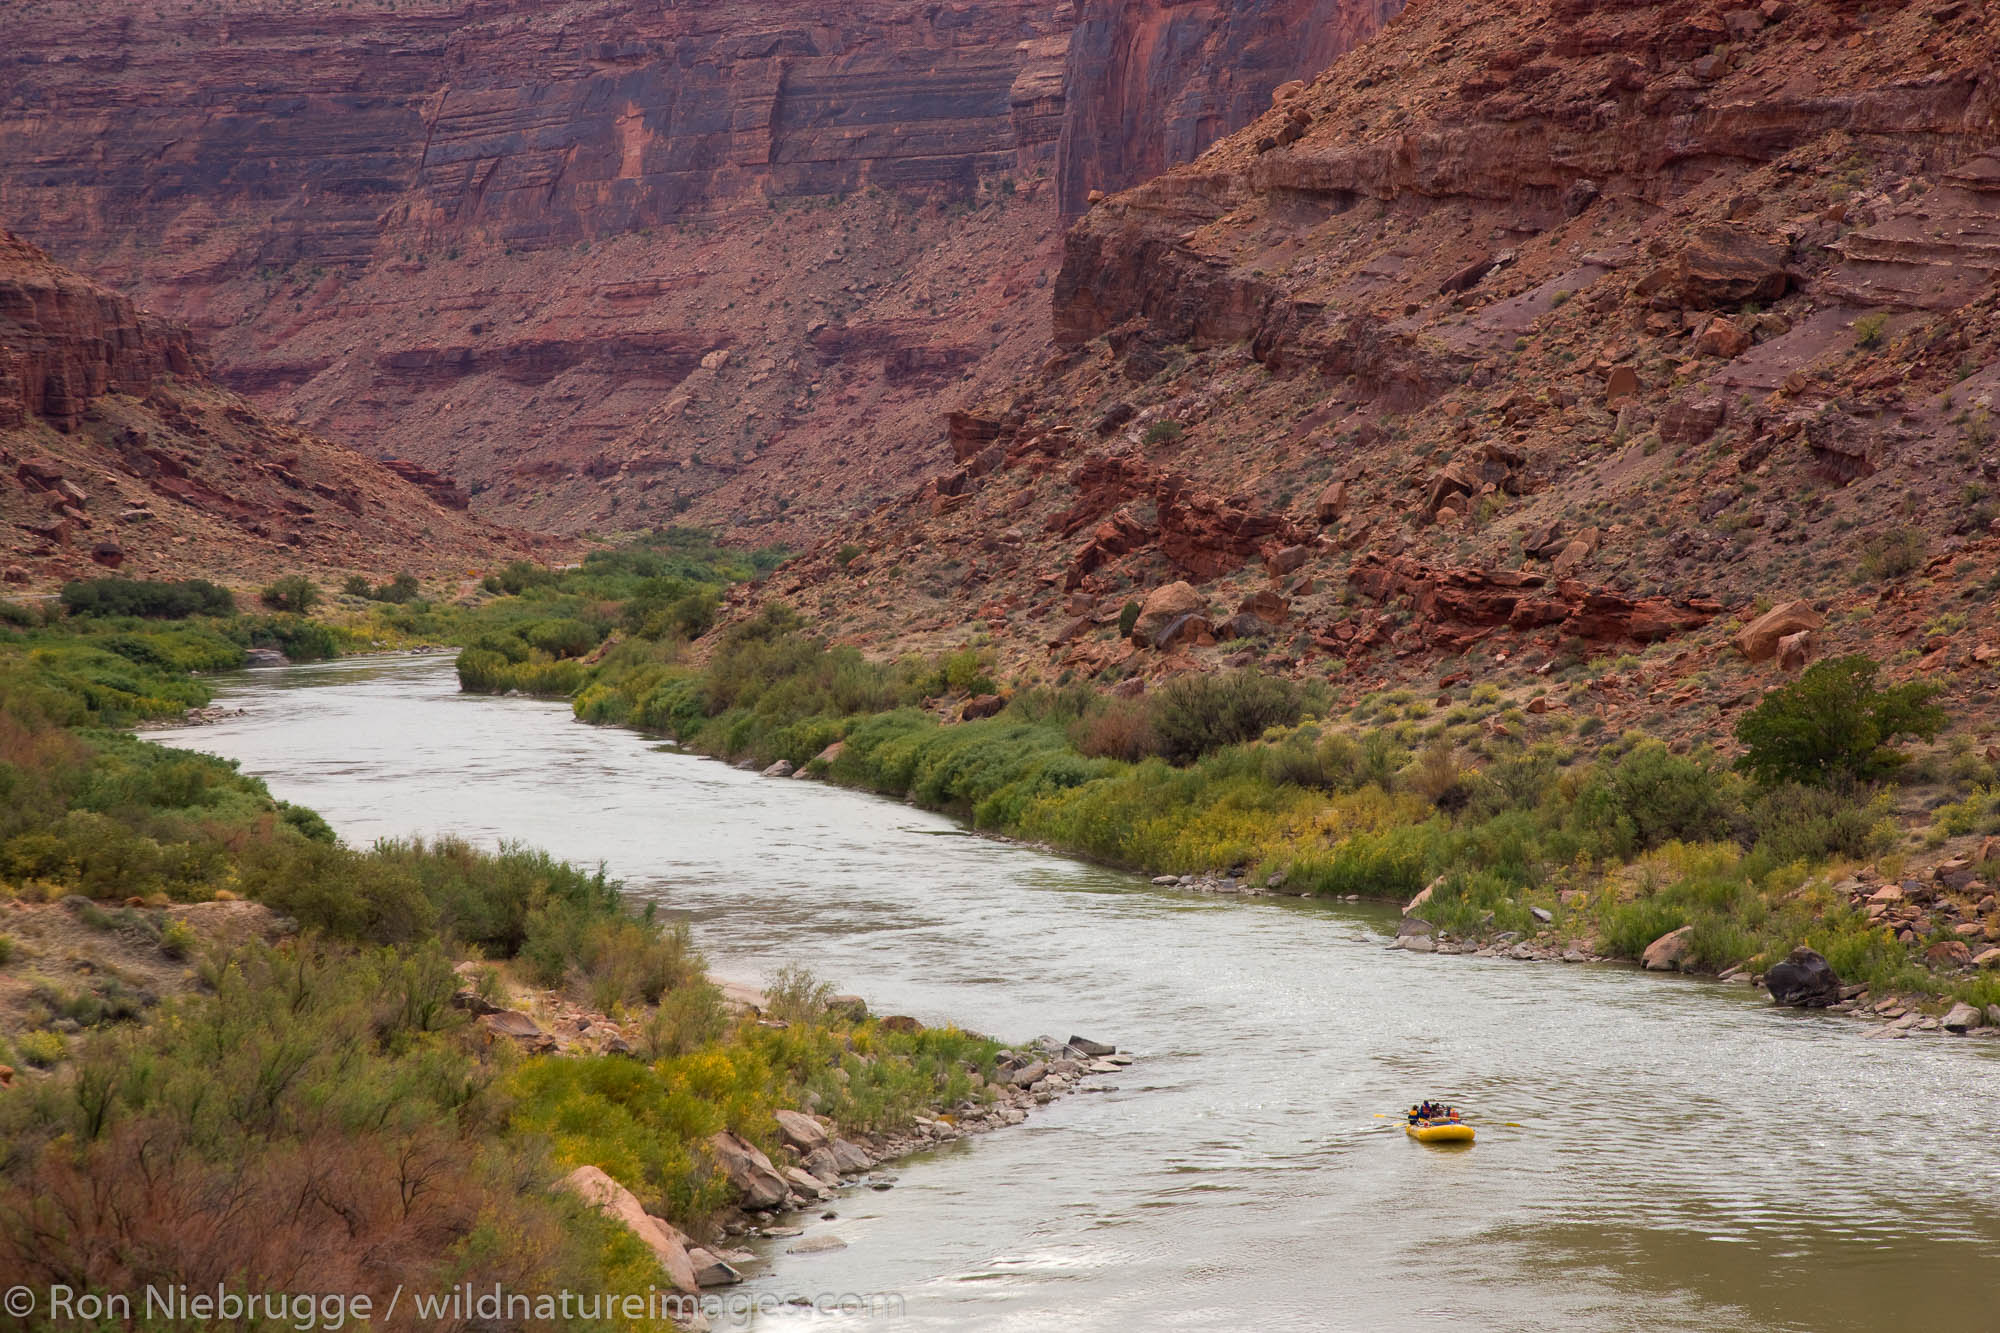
(1154, 82)
(64, 341)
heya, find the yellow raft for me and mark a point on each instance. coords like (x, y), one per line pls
(1439, 1131)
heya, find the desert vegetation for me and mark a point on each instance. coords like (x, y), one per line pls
(319, 1095)
(1614, 836)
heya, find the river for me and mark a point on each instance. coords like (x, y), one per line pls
(1688, 1157)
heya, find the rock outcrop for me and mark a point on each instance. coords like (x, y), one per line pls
(1151, 83)
(619, 1204)
(117, 452)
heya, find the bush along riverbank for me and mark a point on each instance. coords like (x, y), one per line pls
(228, 1041)
(1521, 824)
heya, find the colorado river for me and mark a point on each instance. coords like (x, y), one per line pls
(1689, 1157)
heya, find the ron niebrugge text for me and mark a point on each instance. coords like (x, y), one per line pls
(331, 1311)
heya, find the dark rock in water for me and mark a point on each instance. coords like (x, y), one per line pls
(1414, 925)
(1085, 1046)
(1803, 981)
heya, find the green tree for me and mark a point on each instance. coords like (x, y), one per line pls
(294, 592)
(1833, 727)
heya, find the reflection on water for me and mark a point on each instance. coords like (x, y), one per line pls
(1688, 1157)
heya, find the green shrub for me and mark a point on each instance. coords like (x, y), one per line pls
(1199, 714)
(177, 939)
(1893, 554)
(1869, 330)
(1650, 796)
(148, 598)
(1833, 727)
(294, 593)
(41, 1048)
(1165, 432)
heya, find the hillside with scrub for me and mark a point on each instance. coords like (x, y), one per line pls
(230, 1042)
(1515, 813)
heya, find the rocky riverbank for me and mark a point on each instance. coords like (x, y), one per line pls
(1803, 980)
(790, 1196)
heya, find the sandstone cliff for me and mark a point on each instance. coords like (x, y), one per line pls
(118, 453)
(1520, 338)
(606, 263)
(612, 262)
(1152, 83)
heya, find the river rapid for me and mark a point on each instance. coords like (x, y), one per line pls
(1689, 1157)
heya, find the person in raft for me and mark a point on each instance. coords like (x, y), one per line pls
(1433, 1111)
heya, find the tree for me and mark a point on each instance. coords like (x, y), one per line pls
(1832, 727)
(294, 592)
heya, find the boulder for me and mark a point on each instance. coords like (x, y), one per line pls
(1269, 607)
(817, 1245)
(1949, 953)
(1085, 1046)
(830, 753)
(1162, 607)
(979, 706)
(1622, 383)
(1188, 629)
(1795, 650)
(1691, 420)
(805, 1183)
(822, 1167)
(801, 1131)
(619, 1204)
(1411, 926)
(849, 1159)
(849, 1008)
(1725, 265)
(1028, 1075)
(1570, 559)
(1804, 980)
(1285, 560)
(781, 769)
(1963, 1016)
(749, 1171)
(901, 1023)
(712, 1271)
(523, 1029)
(1758, 640)
(1332, 503)
(1667, 953)
(1722, 337)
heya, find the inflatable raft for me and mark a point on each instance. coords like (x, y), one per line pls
(1439, 1131)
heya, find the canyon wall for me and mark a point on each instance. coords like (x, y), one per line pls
(612, 262)
(1526, 342)
(1154, 82)
(117, 452)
